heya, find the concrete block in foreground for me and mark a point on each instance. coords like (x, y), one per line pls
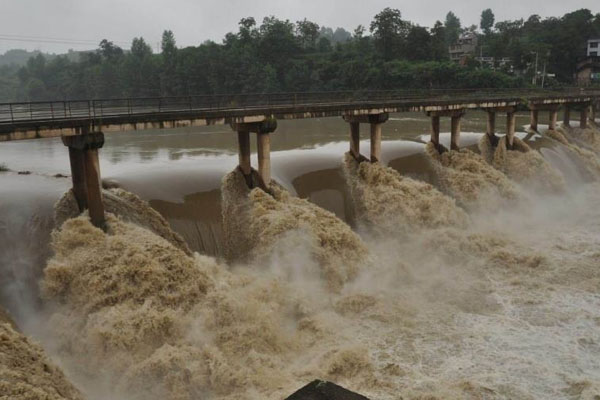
(322, 390)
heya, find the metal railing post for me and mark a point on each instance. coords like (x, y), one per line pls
(12, 117)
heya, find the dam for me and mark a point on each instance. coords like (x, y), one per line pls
(82, 124)
(458, 296)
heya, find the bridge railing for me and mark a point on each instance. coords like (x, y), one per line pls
(97, 109)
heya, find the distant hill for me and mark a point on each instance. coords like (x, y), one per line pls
(19, 57)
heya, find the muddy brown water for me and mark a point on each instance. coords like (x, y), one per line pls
(179, 173)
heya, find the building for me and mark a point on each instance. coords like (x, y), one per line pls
(593, 48)
(465, 47)
(588, 71)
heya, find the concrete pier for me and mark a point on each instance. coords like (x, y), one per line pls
(583, 121)
(263, 145)
(244, 156)
(355, 140)
(511, 120)
(455, 132)
(535, 116)
(85, 173)
(455, 119)
(77, 161)
(435, 131)
(375, 142)
(553, 119)
(567, 115)
(263, 129)
(375, 121)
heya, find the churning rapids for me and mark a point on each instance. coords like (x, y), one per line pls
(474, 274)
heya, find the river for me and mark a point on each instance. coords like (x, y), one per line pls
(480, 299)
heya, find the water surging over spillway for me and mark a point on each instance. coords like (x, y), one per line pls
(589, 164)
(25, 370)
(465, 176)
(391, 203)
(587, 137)
(259, 225)
(434, 309)
(523, 165)
(163, 324)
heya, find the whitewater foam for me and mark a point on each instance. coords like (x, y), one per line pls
(26, 373)
(589, 165)
(255, 223)
(523, 165)
(505, 307)
(465, 176)
(390, 203)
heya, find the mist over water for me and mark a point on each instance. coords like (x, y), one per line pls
(481, 283)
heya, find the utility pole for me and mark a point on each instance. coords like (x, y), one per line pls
(544, 75)
(534, 80)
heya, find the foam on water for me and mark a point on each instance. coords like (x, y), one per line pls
(523, 165)
(26, 372)
(465, 176)
(589, 164)
(505, 306)
(259, 225)
(389, 203)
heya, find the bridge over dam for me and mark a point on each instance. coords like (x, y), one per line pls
(82, 123)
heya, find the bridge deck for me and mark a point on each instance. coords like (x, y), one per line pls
(65, 118)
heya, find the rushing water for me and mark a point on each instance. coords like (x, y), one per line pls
(484, 285)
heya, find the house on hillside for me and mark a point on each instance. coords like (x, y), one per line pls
(588, 69)
(465, 47)
(593, 48)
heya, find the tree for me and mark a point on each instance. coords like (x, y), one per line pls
(438, 42)
(308, 32)
(109, 51)
(282, 56)
(140, 49)
(487, 21)
(418, 44)
(168, 75)
(247, 29)
(36, 89)
(139, 70)
(340, 35)
(277, 46)
(324, 45)
(452, 27)
(359, 32)
(389, 30)
(168, 44)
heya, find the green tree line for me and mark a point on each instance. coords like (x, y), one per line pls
(279, 55)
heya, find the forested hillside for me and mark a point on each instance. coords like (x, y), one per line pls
(279, 55)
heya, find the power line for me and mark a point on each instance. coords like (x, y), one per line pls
(37, 39)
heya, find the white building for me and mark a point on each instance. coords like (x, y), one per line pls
(593, 48)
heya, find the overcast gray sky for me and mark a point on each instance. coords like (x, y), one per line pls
(194, 21)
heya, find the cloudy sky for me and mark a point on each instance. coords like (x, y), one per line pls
(80, 24)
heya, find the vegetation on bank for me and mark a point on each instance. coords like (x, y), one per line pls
(279, 55)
